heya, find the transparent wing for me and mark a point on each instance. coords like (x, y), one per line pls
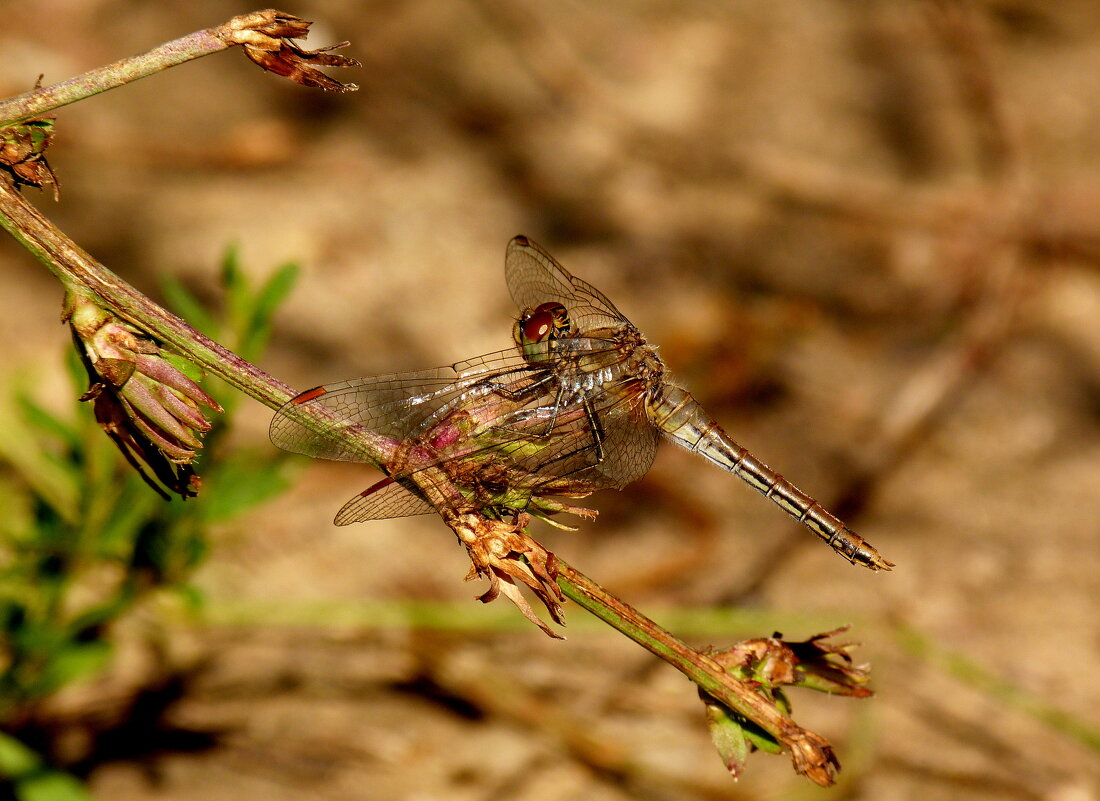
(494, 423)
(629, 437)
(383, 500)
(605, 441)
(394, 406)
(534, 277)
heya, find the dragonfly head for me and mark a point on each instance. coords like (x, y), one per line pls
(542, 324)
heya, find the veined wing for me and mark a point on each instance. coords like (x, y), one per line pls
(534, 277)
(394, 405)
(605, 441)
(381, 501)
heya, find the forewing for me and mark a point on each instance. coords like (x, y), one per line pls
(394, 406)
(534, 277)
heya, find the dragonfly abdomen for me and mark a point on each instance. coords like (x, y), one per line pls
(682, 419)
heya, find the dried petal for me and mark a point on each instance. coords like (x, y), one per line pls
(179, 408)
(770, 664)
(138, 450)
(173, 450)
(142, 399)
(814, 758)
(828, 667)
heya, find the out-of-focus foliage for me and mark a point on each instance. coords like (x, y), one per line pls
(84, 542)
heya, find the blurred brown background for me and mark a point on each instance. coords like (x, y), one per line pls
(865, 234)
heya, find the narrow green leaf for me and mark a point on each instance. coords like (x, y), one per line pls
(728, 737)
(760, 738)
(51, 786)
(192, 597)
(131, 508)
(74, 662)
(242, 481)
(46, 422)
(102, 614)
(238, 292)
(180, 300)
(56, 482)
(269, 298)
(15, 758)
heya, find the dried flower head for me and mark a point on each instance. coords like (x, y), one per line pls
(23, 152)
(503, 553)
(267, 39)
(770, 664)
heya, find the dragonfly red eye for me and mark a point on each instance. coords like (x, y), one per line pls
(543, 320)
(537, 325)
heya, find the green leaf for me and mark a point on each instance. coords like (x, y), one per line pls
(77, 373)
(270, 297)
(76, 661)
(180, 300)
(56, 482)
(51, 786)
(102, 614)
(46, 423)
(243, 480)
(760, 738)
(192, 598)
(728, 737)
(15, 758)
(188, 368)
(17, 521)
(133, 506)
(238, 292)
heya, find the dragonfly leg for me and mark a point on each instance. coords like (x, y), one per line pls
(523, 415)
(597, 429)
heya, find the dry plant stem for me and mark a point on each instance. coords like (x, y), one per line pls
(811, 754)
(39, 101)
(82, 274)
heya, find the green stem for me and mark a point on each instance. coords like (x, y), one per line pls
(695, 665)
(1008, 693)
(82, 275)
(38, 101)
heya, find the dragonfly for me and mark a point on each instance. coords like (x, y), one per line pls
(577, 404)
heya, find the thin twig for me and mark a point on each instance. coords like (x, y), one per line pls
(41, 100)
(265, 36)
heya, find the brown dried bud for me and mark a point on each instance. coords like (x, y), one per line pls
(23, 153)
(266, 37)
(146, 405)
(814, 664)
(770, 664)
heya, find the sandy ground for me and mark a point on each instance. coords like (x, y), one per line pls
(866, 235)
